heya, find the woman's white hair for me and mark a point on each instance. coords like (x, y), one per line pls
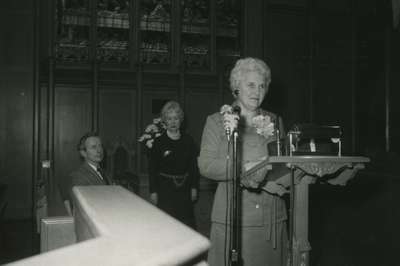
(245, 65)
(169, 107)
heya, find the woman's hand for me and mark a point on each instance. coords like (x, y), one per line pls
(275, 188)
(154, 198)
(254, 180)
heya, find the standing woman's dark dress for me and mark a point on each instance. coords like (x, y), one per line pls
(173, 173)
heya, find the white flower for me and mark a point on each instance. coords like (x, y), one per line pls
(149, 143)
(144, 136)
(152, 131)
(225, 109)
(151, 128)
(156, 120)
(147, 136)
(268, 130)
(263, 125)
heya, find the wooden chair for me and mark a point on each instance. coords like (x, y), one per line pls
(120, 162)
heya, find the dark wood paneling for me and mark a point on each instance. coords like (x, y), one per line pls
(72, 120)
(16, 46)
(198, 106)
(16, 100)
(338, 6)
(3, 127)
(16, 142)
(117, 118)
(252, 32)
(288, 3)
(148, 99)
(227, 98)
(43, 138)
(333, 77)
(394, 115)
(287, 56)
(158, 81)
(375, 55)
(21, 6)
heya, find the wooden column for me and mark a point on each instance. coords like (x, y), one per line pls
(301, 246)
(95, 96)
(52, 186)
(36, 113)
(139, 116)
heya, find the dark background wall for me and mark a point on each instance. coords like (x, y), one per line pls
(16, 105)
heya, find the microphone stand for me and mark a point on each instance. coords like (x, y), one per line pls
(235, 258)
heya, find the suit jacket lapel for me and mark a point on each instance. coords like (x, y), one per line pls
(104, 176)
(93, 176)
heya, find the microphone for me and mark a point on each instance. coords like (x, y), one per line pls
(228, 133)
(232, 115)
(226, 110)
(236, 111)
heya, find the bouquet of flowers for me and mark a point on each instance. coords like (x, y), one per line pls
(152, 131)
(263, 125)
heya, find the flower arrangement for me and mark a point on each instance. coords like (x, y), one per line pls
(152, 131)
(263, 125)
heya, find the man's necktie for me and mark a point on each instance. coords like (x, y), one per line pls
(102, 174)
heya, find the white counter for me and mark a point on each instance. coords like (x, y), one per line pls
(115, 227)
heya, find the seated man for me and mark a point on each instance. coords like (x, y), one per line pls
(89, 172)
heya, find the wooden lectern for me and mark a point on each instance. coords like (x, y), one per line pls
(312, 167)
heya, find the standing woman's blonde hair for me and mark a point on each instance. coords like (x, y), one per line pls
(169, 107)
(245, 65)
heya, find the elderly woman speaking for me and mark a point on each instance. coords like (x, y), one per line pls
(263, 214)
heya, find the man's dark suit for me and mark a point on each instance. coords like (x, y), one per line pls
(85, 175)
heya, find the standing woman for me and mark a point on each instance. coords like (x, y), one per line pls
(173, 167)
(263, 213)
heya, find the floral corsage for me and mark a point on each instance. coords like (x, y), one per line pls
(152, 131)
(263, 125)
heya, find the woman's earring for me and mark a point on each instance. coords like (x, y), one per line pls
(235, 93)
